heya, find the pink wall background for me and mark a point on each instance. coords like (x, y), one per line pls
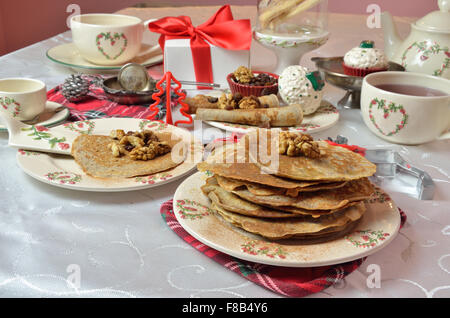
(23, 22)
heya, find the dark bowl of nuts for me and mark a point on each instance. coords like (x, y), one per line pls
(252, 83)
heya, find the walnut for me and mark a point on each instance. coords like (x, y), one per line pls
(117, 134)
(116, 149)
(147, 136)
(249, 102)
(141, 145)
(162, 147)
(142, 153)
(243, 75)
(132, 140)
(226, 101)
(293, 144)
(150, 152)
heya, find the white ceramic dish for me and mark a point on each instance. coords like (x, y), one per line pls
(378, 227)
(62, 171)
(108, 39)
(22, 98)
(406, 119)
(49, 117)
(68, 55)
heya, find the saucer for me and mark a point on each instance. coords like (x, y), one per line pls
(68, 55)
(49, 117)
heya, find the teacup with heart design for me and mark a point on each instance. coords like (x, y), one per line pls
(406, 108)
(107, 39)
(22, 98)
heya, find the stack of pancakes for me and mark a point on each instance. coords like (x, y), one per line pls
(300, 197)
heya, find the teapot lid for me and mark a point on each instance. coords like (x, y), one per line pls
(438, 21)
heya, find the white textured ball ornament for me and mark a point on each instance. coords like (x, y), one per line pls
(295, 88)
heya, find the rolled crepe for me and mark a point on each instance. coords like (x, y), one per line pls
(286, 116)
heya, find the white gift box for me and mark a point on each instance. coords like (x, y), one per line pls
(178, 61)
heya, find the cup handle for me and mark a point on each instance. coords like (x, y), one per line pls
(446, 133)
(146, 22)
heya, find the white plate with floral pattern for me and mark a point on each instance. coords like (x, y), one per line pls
(63, 171)
(378, 227)
(325, 117)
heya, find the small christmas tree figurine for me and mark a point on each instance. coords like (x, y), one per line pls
(168, 79)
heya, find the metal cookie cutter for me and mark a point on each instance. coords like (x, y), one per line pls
(396, 174)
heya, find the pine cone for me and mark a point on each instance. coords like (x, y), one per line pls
(75, 88)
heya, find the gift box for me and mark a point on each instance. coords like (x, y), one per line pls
(179, 61)
(206, 53)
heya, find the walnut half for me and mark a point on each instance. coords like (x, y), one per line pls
(243, 75)
(149, 152)
(293, 145)
(116, 149)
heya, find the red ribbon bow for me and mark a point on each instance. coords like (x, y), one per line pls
(220, 30)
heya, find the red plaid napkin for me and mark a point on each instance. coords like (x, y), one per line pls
(286, 281)
(97, 105)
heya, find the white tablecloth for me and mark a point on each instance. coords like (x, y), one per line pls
(119, 245)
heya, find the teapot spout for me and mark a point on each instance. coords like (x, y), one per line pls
(391, 38)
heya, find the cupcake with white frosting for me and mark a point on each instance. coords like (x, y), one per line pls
(364, 60)
(296, 85)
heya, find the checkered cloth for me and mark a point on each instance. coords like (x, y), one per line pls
(97, 105)
(286, 281)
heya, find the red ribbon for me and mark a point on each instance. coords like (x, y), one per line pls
(220, 30)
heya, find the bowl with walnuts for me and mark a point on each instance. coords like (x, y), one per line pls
(252, 83)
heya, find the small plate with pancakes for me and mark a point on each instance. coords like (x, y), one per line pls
(94, 167)
(272, 115)
(308, 210)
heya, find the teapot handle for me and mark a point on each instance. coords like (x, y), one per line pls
(444, 5)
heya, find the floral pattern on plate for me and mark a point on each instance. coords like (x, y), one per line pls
(42, 133)
(192, 210)
(63, 177)
(152, 179)
(81, 127)
(257, 247)
(367, 238)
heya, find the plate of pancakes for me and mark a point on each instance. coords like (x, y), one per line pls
(253, 201)
(325, 117)
(94, 166)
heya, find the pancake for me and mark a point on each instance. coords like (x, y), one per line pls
(231, 184)
(292, 228)
(228, 162)
(335, 164)
(231, 202)
(286, 116)
(313, 213)
(356, 190)
(91, 152)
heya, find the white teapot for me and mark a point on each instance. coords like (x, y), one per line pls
(427, 48)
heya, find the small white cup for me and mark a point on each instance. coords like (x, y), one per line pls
(406, 119)
(107, 39)
(22, 98)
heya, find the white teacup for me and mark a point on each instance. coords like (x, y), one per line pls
(393, 110)
(22, 98)
(107, 39)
